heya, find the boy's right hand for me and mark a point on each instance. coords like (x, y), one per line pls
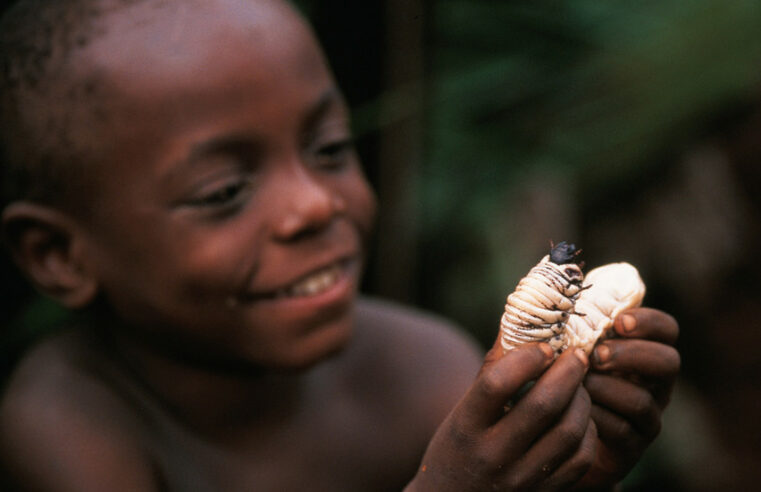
(545, 440)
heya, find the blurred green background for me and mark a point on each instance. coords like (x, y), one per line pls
(491, 128)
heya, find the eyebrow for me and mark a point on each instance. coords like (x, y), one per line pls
(232, 143)
(215, 145)
(244, 142)
(329, 99)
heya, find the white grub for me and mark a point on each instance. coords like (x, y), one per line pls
(555, 303)
(613, 288)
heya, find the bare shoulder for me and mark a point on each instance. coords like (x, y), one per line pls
(428, 335)
(427, 358)
(63, 428)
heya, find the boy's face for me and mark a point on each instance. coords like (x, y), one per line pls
(232, 210)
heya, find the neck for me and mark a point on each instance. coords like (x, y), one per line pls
(208, 397)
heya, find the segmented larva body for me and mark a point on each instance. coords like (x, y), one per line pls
(553, 303)
(544, 299)
(608, 291)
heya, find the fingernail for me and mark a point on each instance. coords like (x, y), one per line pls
(628, 323)
(581, 356)
(601, 354)
(547, 350)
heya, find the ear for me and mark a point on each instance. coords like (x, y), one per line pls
(50, 248)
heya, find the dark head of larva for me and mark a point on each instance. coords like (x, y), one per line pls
(563, 253)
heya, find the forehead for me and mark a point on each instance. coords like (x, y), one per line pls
(157, 50)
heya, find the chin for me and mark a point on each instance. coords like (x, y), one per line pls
(325, 345)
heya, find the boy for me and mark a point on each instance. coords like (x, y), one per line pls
(205, 205)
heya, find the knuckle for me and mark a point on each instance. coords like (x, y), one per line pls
(461, 437)
(577, 470)
(623, 429)
(482, 460)
(643, 405)
(572, 433)
(585, 456)
(675, 361)
(647, 414)
(584, 462)
(540, 404)
(584, 459)
(491, 384)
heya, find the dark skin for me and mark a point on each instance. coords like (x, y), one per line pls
(311, 432)
(548, 445)
(228, 348)
(630, 383)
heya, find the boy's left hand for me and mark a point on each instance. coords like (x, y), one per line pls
(630, 381)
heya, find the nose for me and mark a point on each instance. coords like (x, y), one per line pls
(306, 205)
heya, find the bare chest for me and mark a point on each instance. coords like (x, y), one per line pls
(340, 447)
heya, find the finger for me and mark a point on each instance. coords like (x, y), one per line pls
(577, 466)
(644, 358)
(540, 408)
(650, 365)
(495, 352)
(647, 323)
(499, 380)
(617, 433)
(559, 444)
(636, 408)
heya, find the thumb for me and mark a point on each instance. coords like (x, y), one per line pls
(496, 351)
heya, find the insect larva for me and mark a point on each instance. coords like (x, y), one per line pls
(612, 289)
(543, 300)
(554, 302)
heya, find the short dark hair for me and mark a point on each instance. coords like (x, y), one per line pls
(40, 107)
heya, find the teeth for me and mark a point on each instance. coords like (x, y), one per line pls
(315, 283)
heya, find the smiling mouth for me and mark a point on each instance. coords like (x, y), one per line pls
(315, 283)
(332, 277)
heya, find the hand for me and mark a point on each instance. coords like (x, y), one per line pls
(544, 440)
(630, 383)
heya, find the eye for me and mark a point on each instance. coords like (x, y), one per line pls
(223, 195)
(334, 155)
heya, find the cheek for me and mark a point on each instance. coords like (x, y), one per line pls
(190, 263)
(218, 258)
(211, 253)
(361, 203)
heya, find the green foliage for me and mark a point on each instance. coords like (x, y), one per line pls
(590, 94)
(599, 87)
